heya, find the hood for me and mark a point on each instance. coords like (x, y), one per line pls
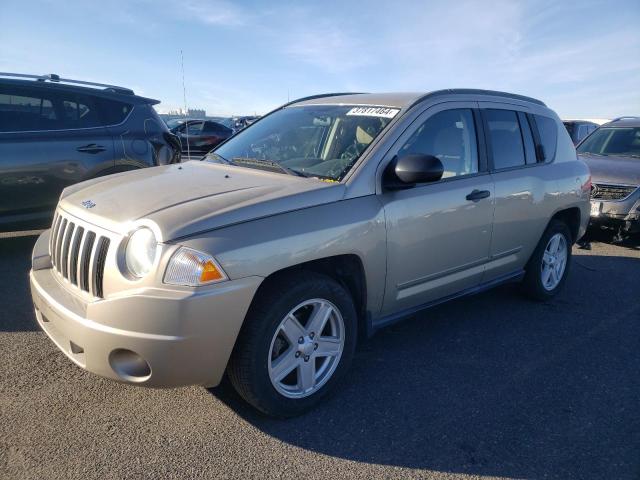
(613, 169)
(191, 197)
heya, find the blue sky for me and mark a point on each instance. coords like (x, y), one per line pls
(581, 58)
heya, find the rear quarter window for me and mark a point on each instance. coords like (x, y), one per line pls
(548, 130)
(112, 112)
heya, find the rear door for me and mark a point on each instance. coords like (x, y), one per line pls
(49, 139)
(520, 187)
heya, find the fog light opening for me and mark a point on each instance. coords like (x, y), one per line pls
(129, 365)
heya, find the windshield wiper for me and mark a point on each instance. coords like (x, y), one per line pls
(268, 165)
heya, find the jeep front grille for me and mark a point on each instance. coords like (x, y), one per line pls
(608, 191)
(78, 254)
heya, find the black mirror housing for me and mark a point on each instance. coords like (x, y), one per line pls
(406, 171)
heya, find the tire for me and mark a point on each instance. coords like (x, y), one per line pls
(263, 343)
(537, 269)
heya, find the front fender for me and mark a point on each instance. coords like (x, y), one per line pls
(265, 246)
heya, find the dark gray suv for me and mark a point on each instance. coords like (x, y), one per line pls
(55, 132)
(613, 155)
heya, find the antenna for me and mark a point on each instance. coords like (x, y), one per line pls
(184, 94)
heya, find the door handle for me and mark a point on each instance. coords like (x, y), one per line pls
(91, 148)
(478, 195)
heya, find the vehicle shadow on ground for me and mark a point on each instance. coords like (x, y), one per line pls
(492, 385)
(15, 297)
(631, 242)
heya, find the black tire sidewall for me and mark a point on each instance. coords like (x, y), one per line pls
(265, 317)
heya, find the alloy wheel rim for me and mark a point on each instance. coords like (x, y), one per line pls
(306, 348)
(554, 261)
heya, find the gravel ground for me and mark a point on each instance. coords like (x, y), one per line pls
(489, 386)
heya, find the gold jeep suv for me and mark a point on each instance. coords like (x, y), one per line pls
(329, 218)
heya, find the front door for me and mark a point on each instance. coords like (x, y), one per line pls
(439, 234)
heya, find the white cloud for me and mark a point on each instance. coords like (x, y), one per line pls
(212, 12)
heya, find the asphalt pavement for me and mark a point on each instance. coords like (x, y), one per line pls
(493, 385)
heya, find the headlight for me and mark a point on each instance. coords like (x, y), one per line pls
(140, 253)
(192, 268)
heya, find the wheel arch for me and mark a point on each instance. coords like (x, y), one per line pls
(571, 217)
(346, 269)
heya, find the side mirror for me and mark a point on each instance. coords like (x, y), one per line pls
(406, 171)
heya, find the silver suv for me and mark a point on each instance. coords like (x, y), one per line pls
(325, 220)
(612, 153)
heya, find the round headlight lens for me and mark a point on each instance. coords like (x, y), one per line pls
(140, 253)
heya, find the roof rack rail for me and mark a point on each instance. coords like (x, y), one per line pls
(625, 117)
(475, 91)
(52, 77)
(321, 95)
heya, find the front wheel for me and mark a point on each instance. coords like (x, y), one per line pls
(548, 267)
(298, 339)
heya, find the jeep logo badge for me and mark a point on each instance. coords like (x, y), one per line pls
(88, 204)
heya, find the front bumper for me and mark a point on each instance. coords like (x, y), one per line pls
(624, 216)
(156, 337)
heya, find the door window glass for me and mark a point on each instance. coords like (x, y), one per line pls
(211, 128)
(25, 111)
(548, 136)
(194, 129)
(582, 132)
(449, 135)
(506, 139)
(527, 136)
(111, 112)
(79, 113)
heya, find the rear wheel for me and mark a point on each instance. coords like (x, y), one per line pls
(297, 341)
(548, 267)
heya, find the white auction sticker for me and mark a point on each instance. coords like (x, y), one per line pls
(384, 112)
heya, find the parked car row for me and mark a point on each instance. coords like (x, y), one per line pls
(55, 132)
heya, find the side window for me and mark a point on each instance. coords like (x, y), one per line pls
(111, 112)
(23, 110)
(548, 136)
(211, 128)
(194, 128)
(582, 131)
(78, 111)
(506, 139)
(527, 136)
(451, 136)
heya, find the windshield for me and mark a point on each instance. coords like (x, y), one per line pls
(314, 140)
(613, 141)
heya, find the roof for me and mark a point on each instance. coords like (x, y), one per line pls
(54, 82)
(588, 122)
(624, 122)
(401, 99)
